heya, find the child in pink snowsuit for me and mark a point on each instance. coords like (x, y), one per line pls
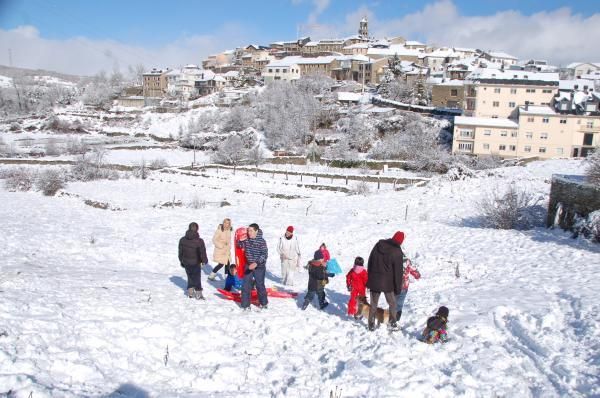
(409, 270)
(356, 281)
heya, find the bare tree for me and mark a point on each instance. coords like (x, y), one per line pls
(507, 209)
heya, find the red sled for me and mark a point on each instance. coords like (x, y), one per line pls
(271, 292)
(241, 234)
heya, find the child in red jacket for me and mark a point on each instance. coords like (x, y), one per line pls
(409, 270)
(356, 281)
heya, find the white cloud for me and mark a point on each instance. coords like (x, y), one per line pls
(320, 6)
(84, 56)
(560, 36)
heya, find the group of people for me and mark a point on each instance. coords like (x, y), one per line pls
(388, 272)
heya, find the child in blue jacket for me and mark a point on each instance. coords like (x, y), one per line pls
(233, 281)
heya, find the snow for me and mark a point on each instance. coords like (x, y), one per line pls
(484, 121)
(537, 110)
(486, 73)
(93, 305)
(5, 81)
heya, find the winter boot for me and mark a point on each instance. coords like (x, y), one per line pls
(398, 315)
(212, 276)
(190, 292)
(324, 305)
(199, 295)
(371, 326)
(394, 326)
(305, 305)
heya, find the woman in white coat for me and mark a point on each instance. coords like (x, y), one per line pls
(289, 253)
(222, 252)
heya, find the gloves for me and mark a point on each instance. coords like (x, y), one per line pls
(349, 288)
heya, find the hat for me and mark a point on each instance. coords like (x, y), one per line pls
(318, 255)
(359, 261)
(398, 237)
(443, 311)
(290, 229)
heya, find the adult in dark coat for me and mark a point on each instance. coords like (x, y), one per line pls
(192, 254)
(385, 275)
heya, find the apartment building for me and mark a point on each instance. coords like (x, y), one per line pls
(496, 93)
(448, 94)
(576, 70)
(539, 131)
(155, 83)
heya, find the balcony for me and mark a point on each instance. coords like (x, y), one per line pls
(585, 129)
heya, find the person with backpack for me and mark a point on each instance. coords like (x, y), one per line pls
(318, 277)
(192, 255)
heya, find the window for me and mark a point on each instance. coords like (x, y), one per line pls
(547, 91)
(543, 136)
(466, 133)
(588, 139)
(530, 90)
(559, 151)
(486, 146)
(529, 135)
(497, 90)
(545, 120)
(511, 104)
(503, 133)
(494, 116)
(454, 92)
(502, 147)
(512, 148)
(276, 70)
(487, 132)
(542, 149)
(530, 119)
(465, 146)
(496, 104)
(514, 134)
(513, 90)
(563, 121)
(527, 148)
(284, 70)
(589, 124)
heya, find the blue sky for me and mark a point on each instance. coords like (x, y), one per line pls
(159, 22)
(170, 32)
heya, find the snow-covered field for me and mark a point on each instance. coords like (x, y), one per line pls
(92, 301)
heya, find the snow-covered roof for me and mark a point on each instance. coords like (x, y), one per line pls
(574, 65)
(570, 84)
(297, 60)
(394, 49)
(485, 122)
(346, 96)
(219, 79)
(232, 73)
(537, 110)
(500, 54)
(357, 45)
(465, 50)
(454, 82)
(440, 54)
(494, 74)
(191, 66)
(413, 43)
(311, 44)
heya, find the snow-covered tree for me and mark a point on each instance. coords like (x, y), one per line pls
(230, 152)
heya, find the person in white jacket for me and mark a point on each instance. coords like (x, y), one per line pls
(289, 253)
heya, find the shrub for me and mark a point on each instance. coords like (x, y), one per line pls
(141, 170)
(593, 168)
(51, 149)
(159, 163)
(75, 146)
(361, 188)
(511, 209)
(19, 179)
(589, 227)
(50, 182)
(196, 203)
(230, 152)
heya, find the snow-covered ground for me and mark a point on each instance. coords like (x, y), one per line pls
(92, 301)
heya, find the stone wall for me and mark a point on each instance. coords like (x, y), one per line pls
(571, 196)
